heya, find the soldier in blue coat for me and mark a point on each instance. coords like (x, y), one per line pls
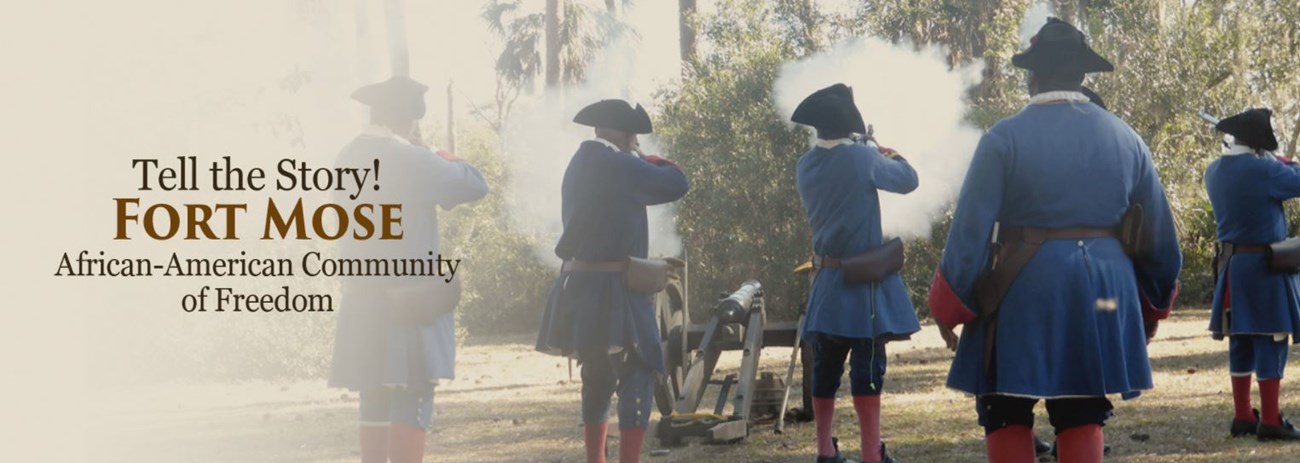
(1055, 305)
(393, 340)
(1257, 309)
(838, 181)
(591, 314)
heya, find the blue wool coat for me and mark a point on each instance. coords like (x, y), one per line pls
(371, 349)
(1071, 324)
(1247, 193)
(838, 187)
(603, 204)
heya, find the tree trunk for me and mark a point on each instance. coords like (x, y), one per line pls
(1295, 139)
(364, 61)
(553, 11)
(808, 15)
(398, 57)
(451, 118)
(686, 33)
(611, 7)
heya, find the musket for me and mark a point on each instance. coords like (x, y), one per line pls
(868, 138)
(1213, 122)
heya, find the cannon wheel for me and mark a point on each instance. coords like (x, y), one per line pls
(673, 323)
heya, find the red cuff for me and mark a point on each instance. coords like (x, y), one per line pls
(448, 155)
(945, 306)
(1151, 312)
(660, 161)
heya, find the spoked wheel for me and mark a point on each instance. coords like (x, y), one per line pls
(673, 323)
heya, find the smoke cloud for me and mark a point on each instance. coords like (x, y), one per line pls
(1035, 16)
(917, 106)
(540, 139)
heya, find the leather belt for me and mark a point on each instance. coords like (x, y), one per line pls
(617, 266)
(1039, 235)
(1231, 248)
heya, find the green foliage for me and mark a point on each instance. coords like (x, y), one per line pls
(583, 27)
(1171, 61)
(743, 218)
(504, 288)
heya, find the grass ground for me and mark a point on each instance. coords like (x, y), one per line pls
(514, 405)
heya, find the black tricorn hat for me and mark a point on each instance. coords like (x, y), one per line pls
(830, 109)
(399, 97)
(615, 115)
(1093, 97)
(1059, 47)
(1251, 128)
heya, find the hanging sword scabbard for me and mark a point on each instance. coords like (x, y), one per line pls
(995, 246)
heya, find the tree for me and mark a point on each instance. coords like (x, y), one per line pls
(685, 31)
(1171, 60)
(553, 8)
(576, 36)
(743, 218)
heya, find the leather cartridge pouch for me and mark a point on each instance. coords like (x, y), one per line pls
(1284, 256)
(646, 275)
(872, 266)
(1130, 232)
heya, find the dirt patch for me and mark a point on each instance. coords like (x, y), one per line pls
(511, 404)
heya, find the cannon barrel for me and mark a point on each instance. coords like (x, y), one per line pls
(738, 323)
(732, 308)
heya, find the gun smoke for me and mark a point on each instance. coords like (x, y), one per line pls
(1033, 19)
(540, 138)
(926, 123)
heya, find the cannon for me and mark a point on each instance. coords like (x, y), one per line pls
(738, 322)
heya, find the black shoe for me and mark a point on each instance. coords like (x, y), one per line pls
(1242, 427)
(1284, 432)
(884, 456)
(1041, 447)
(837, 458)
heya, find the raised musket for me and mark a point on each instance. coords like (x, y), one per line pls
(1214, 122)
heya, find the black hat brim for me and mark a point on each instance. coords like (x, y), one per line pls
(399, 97)
(615, 115)
(1061, 48)
(1252, 128)
(830, 109)
(1043, 60)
